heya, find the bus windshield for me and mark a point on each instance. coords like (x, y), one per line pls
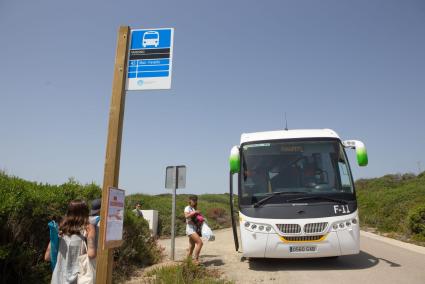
(303, 168)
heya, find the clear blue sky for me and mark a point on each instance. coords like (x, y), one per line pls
(357, 67)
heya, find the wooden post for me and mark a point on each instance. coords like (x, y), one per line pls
(104, 259)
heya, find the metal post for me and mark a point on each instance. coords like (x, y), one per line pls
(173, 215)
(232, 212)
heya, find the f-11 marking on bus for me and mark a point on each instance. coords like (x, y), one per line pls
(341, 209)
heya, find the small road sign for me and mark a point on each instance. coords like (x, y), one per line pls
(170, 177)
(150, 59)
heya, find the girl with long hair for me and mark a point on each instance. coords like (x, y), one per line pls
(74, 229)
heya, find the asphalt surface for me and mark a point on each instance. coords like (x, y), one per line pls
(381, 260)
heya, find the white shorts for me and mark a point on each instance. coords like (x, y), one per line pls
(190, 229)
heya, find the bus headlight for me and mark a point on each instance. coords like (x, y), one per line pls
(340, 225)
(257, 227)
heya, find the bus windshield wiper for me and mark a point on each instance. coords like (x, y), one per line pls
(265, 199)
(317, 197)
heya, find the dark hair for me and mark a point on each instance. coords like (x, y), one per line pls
(76, 218)
(96, 204)
(193, 198)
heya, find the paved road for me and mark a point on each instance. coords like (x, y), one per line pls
(381, 260)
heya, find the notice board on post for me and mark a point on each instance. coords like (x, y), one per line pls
(150, 59)
(115, 218)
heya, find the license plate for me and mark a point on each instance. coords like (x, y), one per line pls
(301, 249)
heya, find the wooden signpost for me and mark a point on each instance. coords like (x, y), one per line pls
(150, 68)
(104, 259)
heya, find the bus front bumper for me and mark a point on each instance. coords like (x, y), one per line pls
(334, 243)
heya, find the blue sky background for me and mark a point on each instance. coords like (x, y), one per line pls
(357, 67)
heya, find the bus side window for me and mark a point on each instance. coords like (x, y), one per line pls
(345, 178)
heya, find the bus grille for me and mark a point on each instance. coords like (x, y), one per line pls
(289, 228)
(303, 238)
(315, 227)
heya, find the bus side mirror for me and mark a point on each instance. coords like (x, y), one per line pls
(361, 152)
(234, 160)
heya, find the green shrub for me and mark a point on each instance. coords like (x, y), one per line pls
(139, 248)
(416, 221)
(162, 203)
(387, 203)
(219, 216)
(26, 208)
(186, 272)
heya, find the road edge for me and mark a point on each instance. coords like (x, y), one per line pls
(397, 243)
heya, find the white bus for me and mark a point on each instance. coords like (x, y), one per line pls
(296, 194)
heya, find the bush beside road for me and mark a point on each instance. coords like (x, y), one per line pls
(26, 208)
(394, 205)
(215, 207)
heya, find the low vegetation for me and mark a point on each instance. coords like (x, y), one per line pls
(138, 250)
(185, 272)
(215, 207)
(26, 208)
(394, 204)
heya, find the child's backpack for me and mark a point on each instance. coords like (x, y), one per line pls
(54, 243)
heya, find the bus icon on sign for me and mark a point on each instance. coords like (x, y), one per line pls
(150, 38)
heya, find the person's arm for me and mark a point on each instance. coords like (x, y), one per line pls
(190, 214)
(91, 237)
(47, 253)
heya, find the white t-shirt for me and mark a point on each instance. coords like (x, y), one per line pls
(189, 209)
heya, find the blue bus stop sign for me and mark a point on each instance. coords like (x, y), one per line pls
(150, 59)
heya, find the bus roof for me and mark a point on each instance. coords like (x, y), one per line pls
(288, 134)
